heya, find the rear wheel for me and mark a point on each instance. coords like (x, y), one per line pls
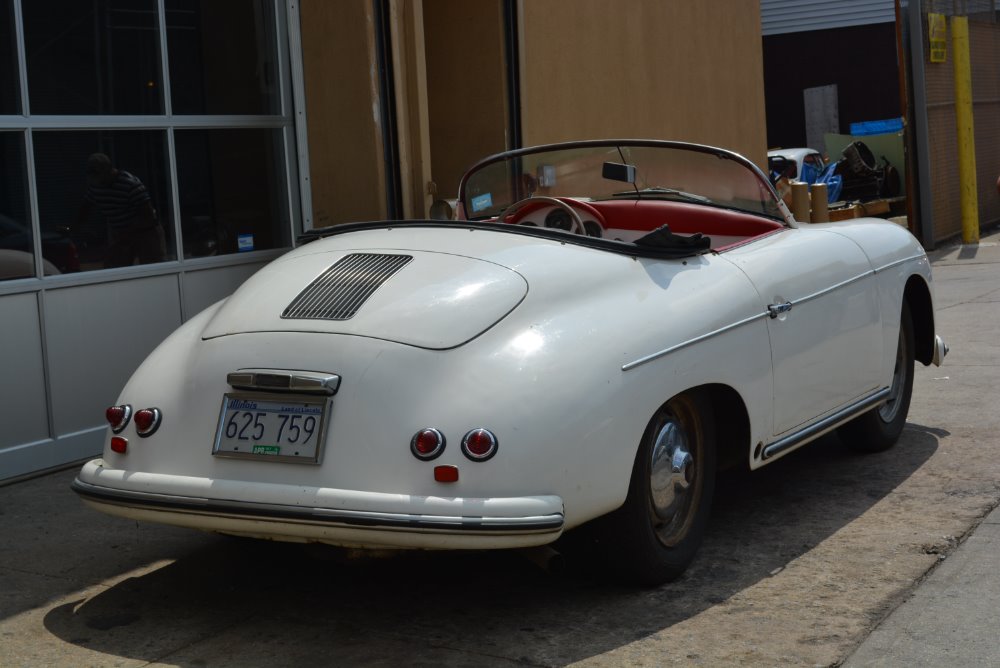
(879, 428)
(653, 537)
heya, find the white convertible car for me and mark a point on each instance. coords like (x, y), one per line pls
(605, 325)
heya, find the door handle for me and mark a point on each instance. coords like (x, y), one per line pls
(774, 310)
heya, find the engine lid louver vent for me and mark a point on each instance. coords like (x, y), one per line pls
(341, 290)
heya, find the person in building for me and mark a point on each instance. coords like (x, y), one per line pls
(135, 234)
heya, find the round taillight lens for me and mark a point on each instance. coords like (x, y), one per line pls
(119, 444)
(479, 445)
(147, 421)
(427, 444)
(118, 417)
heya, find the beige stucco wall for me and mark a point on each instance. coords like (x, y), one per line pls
(346, 166)
(690, 71)
(466, 88)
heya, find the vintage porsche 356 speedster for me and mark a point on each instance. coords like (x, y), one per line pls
(604, 325)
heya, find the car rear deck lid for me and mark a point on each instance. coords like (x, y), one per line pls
(417, 297)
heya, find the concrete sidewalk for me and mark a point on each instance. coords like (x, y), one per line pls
(951, 619)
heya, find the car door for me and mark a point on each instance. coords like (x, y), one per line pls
(824, 322)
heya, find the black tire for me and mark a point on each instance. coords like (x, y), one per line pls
(880, 428)
(655, 534)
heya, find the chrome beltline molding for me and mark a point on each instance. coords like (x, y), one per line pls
(899, 262)
(828, 423)
(689, 342)
(801, 300)
(321, 516)
(826, 291)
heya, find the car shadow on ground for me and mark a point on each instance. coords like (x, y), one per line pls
(239, 602)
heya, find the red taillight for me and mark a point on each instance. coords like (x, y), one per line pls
(118, 417)
(147, 421)
(427, 444)
(446, 473)
(479, 445)
(119, 444)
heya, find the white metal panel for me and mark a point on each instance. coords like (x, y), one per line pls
(822, 115)
(788, 16)
(96, 335)
(22, 383)
(437, 301)
(822, 348)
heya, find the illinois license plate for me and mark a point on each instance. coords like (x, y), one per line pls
(271, 428)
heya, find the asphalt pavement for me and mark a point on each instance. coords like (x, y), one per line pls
(823, 558)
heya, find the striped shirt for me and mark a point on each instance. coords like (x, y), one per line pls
(122, 201)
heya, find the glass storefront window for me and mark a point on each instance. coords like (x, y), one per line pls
(104, 185)
(17, 259)
(94, 57)
(222, 57)
(231, 193)
(10, 91)
(115, 209)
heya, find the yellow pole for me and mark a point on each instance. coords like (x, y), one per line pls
(966, 136)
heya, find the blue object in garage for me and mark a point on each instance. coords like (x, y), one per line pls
(877, 127)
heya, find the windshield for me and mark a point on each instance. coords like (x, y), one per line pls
(599, 171)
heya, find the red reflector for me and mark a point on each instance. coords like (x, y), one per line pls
(119, 444)
(118, 416)
(147, 420)
(446, 473)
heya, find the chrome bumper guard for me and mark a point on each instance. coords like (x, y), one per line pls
(940, 350)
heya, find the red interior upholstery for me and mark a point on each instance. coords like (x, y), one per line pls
(682, 217)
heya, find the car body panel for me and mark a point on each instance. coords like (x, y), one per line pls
(821, 347)
(421, 388)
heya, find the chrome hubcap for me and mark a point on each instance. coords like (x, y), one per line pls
(671, 472)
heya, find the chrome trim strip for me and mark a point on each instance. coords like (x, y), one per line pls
(685, 344)
(279, 380)
(790, 304)
(899, 262)
(824, 291)
(323, 516)
(828, 423)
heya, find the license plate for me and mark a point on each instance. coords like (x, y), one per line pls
(271, 428)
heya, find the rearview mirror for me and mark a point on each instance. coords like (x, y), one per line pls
(617, 171)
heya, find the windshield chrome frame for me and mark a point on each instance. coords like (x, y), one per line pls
(786, 215)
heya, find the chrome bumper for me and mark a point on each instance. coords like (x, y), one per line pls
(329, 517)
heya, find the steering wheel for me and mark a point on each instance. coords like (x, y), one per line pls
(578, 227)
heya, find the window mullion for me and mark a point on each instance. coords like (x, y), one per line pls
(164, 58)
(22, 65)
